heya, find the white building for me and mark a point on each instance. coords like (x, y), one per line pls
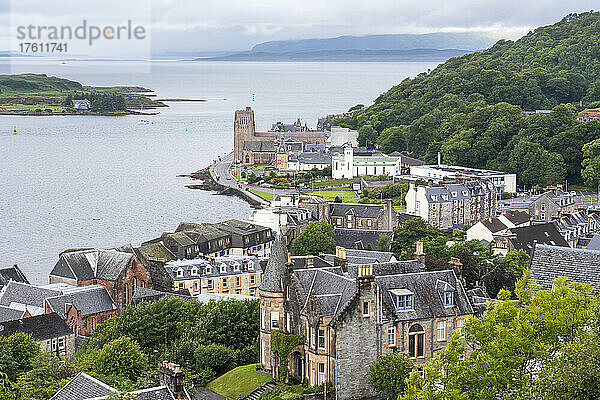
(308, 160)
(503, 181)
(340, 136)
(349, 166)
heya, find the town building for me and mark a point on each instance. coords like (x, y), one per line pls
(192, 240)
(290, 221)
(406, 162)
(448, 206)
(82, 105)
(360, 239)
(363, 216)
(307, 161)
(576, 265)
(485, 229)
(49, 330)
(119, 272)
(340, 136)
(503, 181)
(26, 298)
(550, 204)
(260, 147)
(247, 239)
(13, 273)
(525, 238)
(348, 165)
(359, 314)
(83, 308)
(86, 387)
(229, 275)
(515, 218)
(588, 115)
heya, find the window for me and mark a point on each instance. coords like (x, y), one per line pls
(321, 376)
(180, 285)
(252, 292)
(441, 331)
(287, 322)
(416, 341)
(194, 271)
(236, 267)
(459, 323)
(252, 279)
(448, 298)
(179, 272)
(208, 270)
(349, 217)
(224, 283)
(365, 308)
(405, 299)
(238, 282)
(251, 265)
(369, 222)
(321, 338)
(53, 344)
(93, 323)
(311, 337)
(223, 268)
(392, 336)
(274, 319)
(196, 286)
(262, 319)
(210, 284)
(61, 343)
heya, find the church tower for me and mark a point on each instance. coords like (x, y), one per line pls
(243, 129)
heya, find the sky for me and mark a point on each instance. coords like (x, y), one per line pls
(179, 26)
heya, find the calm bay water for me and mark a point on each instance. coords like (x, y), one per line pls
(90, 181)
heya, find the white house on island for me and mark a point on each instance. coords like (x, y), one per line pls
(348, 165)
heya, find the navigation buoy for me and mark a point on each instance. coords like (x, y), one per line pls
(15, 130)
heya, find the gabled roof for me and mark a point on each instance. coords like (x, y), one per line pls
(493, 224)
(594, 243)
(90, 264)
(577, 265)
(359, 238)
(360, 210)
(517, 217)
(40, 327)
(13, 273)
(428, 302)
(9, 314)
(22, 293)
(523, 237)
(81, 387)
(89, 300)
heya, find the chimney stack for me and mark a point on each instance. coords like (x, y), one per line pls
(420, 253)
(456, 265)
(171, 376)
(439, 159)
(310, 262)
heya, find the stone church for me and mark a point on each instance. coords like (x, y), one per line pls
(260, 147)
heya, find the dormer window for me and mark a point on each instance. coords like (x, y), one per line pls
(236, 267)
(404, 299)
(445, 197)
(179, 273)
(434, 197)
(223, 268)
(194, 271)
(449, 299)
(464, 193)
(208, 270)
(454, 194)
(250, 265)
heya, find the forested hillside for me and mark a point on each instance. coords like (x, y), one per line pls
(471, 107)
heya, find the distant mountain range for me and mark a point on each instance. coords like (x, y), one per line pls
(344, 55)
(402, 47)
(439, 40)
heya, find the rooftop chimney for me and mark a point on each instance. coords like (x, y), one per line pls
(420, 253)
(171, 376)
(340, 252)
(439, 159)
(310, 261)
(365, 271)
(456, 265)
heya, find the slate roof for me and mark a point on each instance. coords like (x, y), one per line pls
(89, 300)
(407, 160)
(360, 210)
(358, 238)
(9, 314)
(493, 224)
(428, 302)
(523, 237)
(331, 288)
(276, 266)
(517, 217)
(594, 243)
(314, 158)
(390, 268)
(22, 293)
(40, 327)
(81, 387)
(90, 264)
(13, 273)
(187, 267)
(259, 147)
(317, 261)
(577, 265)
(148, 256)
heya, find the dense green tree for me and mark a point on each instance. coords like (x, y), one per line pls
(383, 243)
(122, 358)
(367, 136)
(517, 261)
(387, 375)
(393, 139)
(591, 163)
(498, 355)
(17, 354)
(317, 238)
(410, 232)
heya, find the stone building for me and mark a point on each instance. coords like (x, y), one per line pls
(119, 272)
(260, 147)
(363, 216)
(348, 316)
(448, 206)
(349, 165)
(550, 205)
(226, 275)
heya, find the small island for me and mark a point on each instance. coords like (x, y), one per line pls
(40, 94)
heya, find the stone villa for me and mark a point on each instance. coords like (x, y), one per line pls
(358, 312)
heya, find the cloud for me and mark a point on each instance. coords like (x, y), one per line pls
(238, 24)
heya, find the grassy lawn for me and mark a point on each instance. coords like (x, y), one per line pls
(265, 195)
(239, 381)
(346, 195)
(333, 182)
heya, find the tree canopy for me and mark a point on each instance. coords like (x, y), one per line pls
(317, 238)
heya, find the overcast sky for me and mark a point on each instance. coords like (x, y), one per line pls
(214, 25)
